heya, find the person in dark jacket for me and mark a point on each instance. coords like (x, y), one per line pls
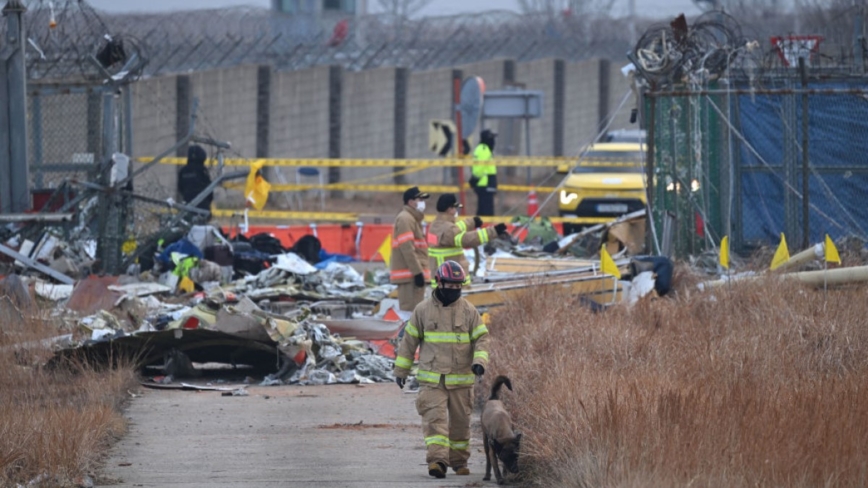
(194, 178)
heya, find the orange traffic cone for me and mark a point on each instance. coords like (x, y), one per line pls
(532, 203)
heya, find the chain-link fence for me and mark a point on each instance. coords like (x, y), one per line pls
(753, 163)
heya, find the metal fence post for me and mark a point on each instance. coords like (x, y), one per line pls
(112, 212)
(36, 120)
(806, 223)
(334, 146)
(402, 78)
(127, 147)
(14, 167)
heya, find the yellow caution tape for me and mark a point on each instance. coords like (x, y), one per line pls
(289, 215)
(389, 188)
(376, 163)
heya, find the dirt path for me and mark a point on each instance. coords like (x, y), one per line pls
(297, 436)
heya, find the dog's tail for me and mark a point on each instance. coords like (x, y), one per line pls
(495, 388)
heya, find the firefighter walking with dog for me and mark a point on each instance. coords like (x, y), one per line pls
(453, 353)
(448, 236)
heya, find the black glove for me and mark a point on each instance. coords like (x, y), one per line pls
(500, 228)
(400, 382)
(477, 369)
(419, 280)
(477, 222)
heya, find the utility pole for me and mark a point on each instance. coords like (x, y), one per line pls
(14, 178)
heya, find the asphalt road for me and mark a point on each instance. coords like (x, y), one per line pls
(321, 436)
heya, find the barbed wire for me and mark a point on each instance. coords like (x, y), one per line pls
(64, 34)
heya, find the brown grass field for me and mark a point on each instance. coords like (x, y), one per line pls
(755, 384)
(54, 424)
(760, 384)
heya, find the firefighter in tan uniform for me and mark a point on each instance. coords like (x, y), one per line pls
(447, 236)
(409, 264)
(453, 352)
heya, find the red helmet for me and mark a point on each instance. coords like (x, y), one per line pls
(450, 272)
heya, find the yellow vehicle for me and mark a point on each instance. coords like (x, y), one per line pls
(607, 181)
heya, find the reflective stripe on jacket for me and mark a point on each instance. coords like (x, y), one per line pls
(409, 248)
(450, 340)
(480, 170)
(447, 238)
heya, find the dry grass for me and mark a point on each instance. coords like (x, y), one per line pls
(54, 424)
(761, 384)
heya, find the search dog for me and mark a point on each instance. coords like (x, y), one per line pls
(501, 440)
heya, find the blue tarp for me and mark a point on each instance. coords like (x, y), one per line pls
(837, 126)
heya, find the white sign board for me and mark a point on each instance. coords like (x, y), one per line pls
(512, 103)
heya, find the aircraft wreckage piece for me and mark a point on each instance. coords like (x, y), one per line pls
(533, 265)
(602, 289)
(200, 345)
(830, 277)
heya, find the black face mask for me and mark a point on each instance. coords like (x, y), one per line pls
(447, 296)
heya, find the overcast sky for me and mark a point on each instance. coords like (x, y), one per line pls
(649, 8)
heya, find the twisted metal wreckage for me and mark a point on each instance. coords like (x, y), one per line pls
(301, 323)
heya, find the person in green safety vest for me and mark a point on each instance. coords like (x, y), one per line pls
(484, 174)
(448, 235)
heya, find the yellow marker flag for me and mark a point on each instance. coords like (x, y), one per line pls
(831, 251)
(385, 249)
(256, 190)
(782, 255)
(607, 264)
(724, 252)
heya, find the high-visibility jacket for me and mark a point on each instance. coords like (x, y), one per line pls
(409, 248)
(482, 170)
(447, 239)
(450, 340)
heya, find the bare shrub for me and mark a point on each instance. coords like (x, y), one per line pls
(755, 384)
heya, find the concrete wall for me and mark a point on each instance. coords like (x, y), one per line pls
(368, 113)
(154, 110)
(539, 75)
(429, 97)
(368, 120)
(227, 106)
(155, 106)
(619, 85)
(300, 114)
(381, 113)
(582, 105)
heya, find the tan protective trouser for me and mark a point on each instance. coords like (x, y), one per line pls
(446, 423)
(410, 295)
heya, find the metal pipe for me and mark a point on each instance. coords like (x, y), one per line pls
(838, 276)
(32, 263)
(36, 217)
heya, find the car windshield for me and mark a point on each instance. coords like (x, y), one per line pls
(610, 162)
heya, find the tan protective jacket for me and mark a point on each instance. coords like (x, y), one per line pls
(450, 340)
(447, 239)
(409, 248)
